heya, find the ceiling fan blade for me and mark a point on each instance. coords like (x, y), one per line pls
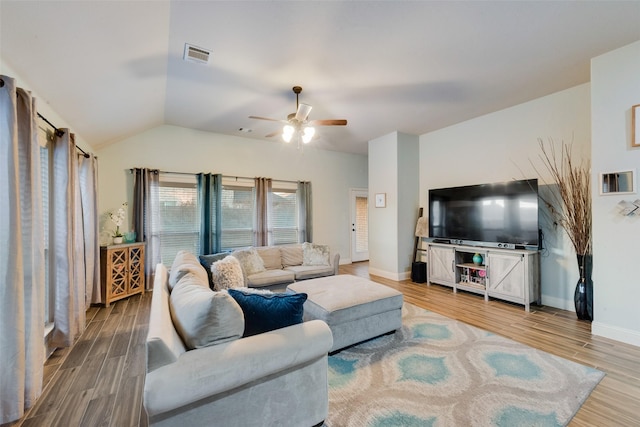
(267, 118)
(303, 112)
(278, 132)
(328, 122)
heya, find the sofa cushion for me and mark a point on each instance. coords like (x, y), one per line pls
(226, 273)
(185, 262)
(203, 317)
(263, 313)
(250, 261)
(207, 260)
(313, 254)
(303, 272)
(270, 257)
(291, 255)
(270, 277)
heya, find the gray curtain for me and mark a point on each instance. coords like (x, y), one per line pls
(305, 212)
(68, 269)
(88, 181)
(21, 254)
(263, 202)
(210, 201)
(146, 220)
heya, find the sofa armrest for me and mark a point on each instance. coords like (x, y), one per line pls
(336, 263)
(208, 371)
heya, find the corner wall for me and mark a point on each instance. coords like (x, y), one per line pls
(615, 86)
(500, 147)
(393, 166)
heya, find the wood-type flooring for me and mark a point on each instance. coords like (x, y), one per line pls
(99, 381)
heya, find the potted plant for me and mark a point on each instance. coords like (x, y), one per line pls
(117, 218)
(570, 208)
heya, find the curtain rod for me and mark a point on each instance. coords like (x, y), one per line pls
(58, 132)
(224, 176)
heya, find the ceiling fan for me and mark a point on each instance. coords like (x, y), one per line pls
(297, 124)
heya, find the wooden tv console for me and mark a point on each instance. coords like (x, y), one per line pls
(507, 274)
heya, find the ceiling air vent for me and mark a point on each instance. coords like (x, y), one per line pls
(196, 54)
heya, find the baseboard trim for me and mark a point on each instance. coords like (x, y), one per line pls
(389, 275)
(624, 335)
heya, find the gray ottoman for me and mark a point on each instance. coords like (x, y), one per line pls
(356, 309)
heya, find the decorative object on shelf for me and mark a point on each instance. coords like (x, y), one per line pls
(570, 208)
(635, 125)
(627, 208)
(130, 237)
(477, 259)
(117, 218)
(381, 200)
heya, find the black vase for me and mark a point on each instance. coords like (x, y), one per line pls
(583, 296)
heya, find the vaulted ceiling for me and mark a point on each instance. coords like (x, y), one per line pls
(115, 68)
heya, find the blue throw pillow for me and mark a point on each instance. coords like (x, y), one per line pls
(263, 313)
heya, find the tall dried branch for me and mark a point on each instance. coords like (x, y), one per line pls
(570, 204)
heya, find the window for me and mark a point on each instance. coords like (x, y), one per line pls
(283, 215)
(238, 213)
(46, 170)
(179, 212)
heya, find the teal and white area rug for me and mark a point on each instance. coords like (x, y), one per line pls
(440, 372)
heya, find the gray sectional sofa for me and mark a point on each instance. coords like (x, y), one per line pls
(281, 265)
(276, 378)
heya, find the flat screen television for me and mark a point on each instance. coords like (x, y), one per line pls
(501, 215)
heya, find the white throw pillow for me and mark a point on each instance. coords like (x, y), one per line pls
(315, 254)
(227, 273)
(203, 317)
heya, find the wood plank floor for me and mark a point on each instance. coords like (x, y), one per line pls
(98, 382)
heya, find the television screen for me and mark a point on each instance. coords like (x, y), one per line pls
(486, 214)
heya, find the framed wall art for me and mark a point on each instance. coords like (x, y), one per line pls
(381, 200)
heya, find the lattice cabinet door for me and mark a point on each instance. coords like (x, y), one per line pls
(121, 271)
(136, 269)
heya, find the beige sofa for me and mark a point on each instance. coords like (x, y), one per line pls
(273, 378)
(282, 265)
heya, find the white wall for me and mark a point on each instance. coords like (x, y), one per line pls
(393, 170)
(176, 149)
(43, 106)
(500, 147)
(383, 178)
(615, 82)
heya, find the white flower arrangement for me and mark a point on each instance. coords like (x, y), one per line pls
(117, 218)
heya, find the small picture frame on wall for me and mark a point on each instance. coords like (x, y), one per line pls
(381, 200)
(635, 125)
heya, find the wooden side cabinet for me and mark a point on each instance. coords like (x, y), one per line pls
(121, 271)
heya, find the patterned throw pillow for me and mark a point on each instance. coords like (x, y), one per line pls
(227, 273)
(250, 261)
(315, 254)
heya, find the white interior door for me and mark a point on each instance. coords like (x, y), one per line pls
(359, 225)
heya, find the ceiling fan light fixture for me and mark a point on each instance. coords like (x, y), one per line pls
(303, 112)
(308, 134)
(287, 133)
